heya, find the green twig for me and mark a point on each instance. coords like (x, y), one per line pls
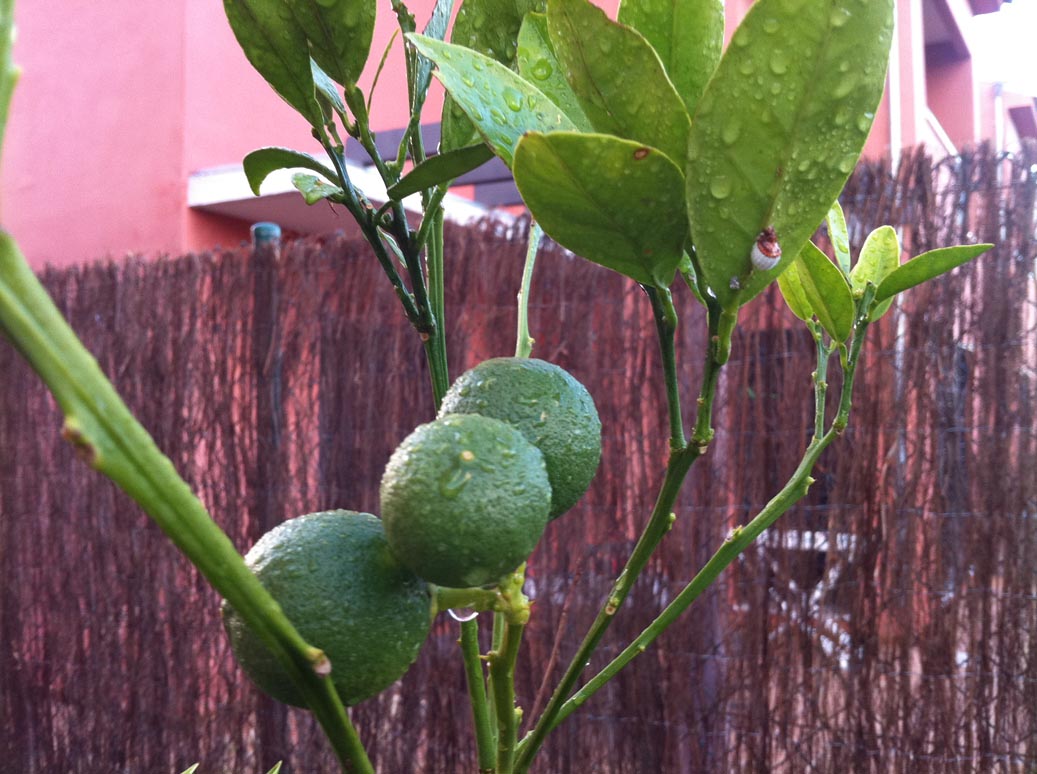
(655, 530)
(524, 344)
(739, 539)
(820, 378)
(666, 328)
(108, 437)
(435, 346)
(514, 609)
(484, 740)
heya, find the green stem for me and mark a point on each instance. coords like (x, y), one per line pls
(666, 328)
(739, 539)
(474, 599)
(655, 530)
(524, 344)
(436, 349)
(109, 439)
(477, 694)
(514, 614)
(820, 380)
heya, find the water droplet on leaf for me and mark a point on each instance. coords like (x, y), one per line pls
(720, 187)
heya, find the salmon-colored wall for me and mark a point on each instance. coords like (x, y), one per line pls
(91, 161)
(952, 98)
(121, 101)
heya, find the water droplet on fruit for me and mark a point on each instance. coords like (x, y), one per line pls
(453, 482)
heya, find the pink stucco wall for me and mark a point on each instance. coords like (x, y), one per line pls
(92, 156)
(121, 101)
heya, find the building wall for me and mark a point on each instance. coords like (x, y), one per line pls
(120, 102)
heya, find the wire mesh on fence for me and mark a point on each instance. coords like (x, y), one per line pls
(887, 624)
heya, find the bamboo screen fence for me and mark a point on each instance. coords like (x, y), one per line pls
(887, 624)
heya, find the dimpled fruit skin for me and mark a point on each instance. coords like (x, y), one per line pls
(553, 410)
(464, 500)
(339, 584)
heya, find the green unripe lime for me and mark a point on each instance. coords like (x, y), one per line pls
(339, 584)
(464, 500)
(553, 410)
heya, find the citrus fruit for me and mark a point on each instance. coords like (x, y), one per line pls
(339, 584)
(464, 500)
(552, 410)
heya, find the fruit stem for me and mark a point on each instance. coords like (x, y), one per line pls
(515, 613)
(477, 694)
(113, 442)
(738, 539)
(524, 344)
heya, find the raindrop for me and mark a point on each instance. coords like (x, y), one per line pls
(864, 122)
(462, 614)
(842, 116)
(720, 187)
(845, 86)
(498, 117)
(732, 131)
(467, 80)
(747, 67)
(541, 70)
(453, 482)
(512, 98)
(477, 64)
(741, 38)
(771, 25)
(839, 17)
(847, 164)
(779, 63)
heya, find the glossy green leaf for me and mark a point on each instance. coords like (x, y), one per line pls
(500, 103)
(313, 189)
(688, 36)
(879, 257)
(779, 129)
(260, 163)
(436, 28)
(539, 65)
(839, 235)
(441, 169)
(617, 78)
(615, 202)
(490, 27)
(327, 95)
(791, 285)
(827, 291)
(277, 48)
(9, 73)
(926, 266)
(339, 32)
